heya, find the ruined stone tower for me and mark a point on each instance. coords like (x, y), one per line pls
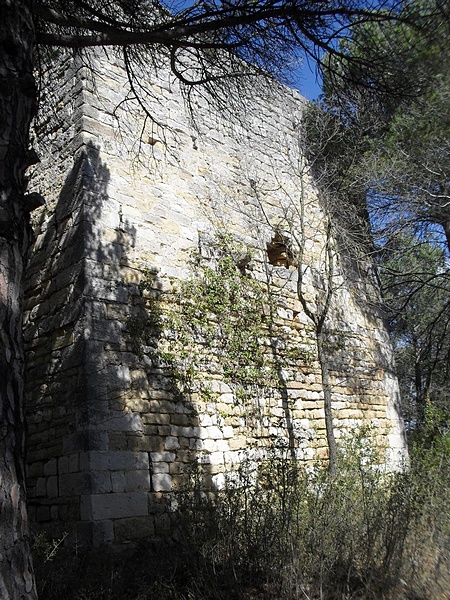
(164, 326)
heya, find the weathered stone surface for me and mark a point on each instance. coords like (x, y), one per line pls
(102, 532)
(162, 482)
(133, 528)
(115, 506)
(111, 437)
(130, 481)
(114, 461)
(74, 484)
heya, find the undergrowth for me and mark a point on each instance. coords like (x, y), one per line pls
(280, 531)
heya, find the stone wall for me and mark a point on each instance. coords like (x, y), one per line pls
(120, 402)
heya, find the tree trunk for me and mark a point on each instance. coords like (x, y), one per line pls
(17, 105)
(331, 440)
(446, 226)
(420, 391)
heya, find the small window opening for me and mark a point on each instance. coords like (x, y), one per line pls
(279, 252)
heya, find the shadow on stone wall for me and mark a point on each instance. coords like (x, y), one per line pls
(102, 449)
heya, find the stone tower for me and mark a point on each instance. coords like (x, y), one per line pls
(164, 326)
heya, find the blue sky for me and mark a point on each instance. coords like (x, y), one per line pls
(305, 79)
(306, 82)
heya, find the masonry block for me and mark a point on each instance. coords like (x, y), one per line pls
(115, 461)
(134, 528)
(130, 481)
(118, 505)
(161, 482)
(74, 484)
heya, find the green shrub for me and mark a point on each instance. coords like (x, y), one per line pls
(280, 530)
(301, 533)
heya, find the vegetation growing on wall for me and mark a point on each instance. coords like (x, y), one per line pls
(221, 321)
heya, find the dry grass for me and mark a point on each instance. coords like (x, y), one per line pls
(292, 535)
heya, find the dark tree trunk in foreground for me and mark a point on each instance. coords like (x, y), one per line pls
(17, 105)
(446, 227)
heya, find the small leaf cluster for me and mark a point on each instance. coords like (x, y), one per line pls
(218, 314)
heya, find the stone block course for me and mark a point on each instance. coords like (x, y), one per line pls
(130, 481)
(74, 483)
(114, 461)
(101, 482)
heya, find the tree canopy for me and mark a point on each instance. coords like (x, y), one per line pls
(212, 43)
(389, 152)
(416, 285)
(402, 138)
